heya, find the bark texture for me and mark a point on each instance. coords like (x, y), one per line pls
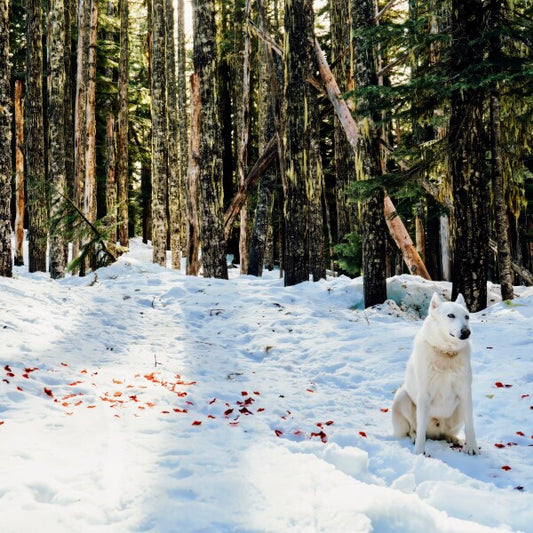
(159, 135)
(368, 157)
(6, 265)
(210, 174)
(123, 129)
(466, 161)
(56, 131)
(296, 58)
(34, 140)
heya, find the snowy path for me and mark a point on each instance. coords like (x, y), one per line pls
(145, 400)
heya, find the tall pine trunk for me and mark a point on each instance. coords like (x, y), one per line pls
(159, 135)
(123, 117)
(296, 57)
(368, 157)
(6, 264)
(210, 186)
(111, 179)
(56, 132)
(466, 160)
(175, 209)
(34, 140)
(344, 154)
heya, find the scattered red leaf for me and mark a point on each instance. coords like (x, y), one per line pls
(7, 368)
(211, 416)
(117, 394)
(74, 383)
(329, 422)
(499, 445)
(10, 375)
(363, 434)
(6, 381)
(189, 403)
(91, 406)
(519, 487)
(25, 376)
(261, 409)
(499, 384)
(506, 468)
(150, 404)
(165, 412)
(521, 433)
(278, 432)
(83, 372)
(524, 396)
(2, 422)
(30, 370)
(20, 389)
(48, 392)
(322, 435)
(228, 412)
(64, 364)
(297, 432)
(212, 401)
(319, 424)
(65, 404)
(233, 423)
(257, 393)
(309, 390)
(134, 397)
(245, 411)
(197, 423)
(512, 444)
(384, 409)
(244, 393)
(176, 410)
(117, 382)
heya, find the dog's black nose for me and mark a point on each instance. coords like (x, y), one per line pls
(465, 333)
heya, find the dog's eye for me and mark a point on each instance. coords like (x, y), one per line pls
(451, 315)
(467, 317)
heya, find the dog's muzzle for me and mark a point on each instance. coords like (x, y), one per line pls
(465, 333)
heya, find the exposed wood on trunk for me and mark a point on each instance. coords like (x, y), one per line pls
(403, 241)
(260, 166)
(19, 175)
(193, 253)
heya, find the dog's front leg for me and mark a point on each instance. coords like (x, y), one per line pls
(422, 419)
(471, 446)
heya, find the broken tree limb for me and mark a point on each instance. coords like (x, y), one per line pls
(260, 166)
(396, 227)
(523, 272)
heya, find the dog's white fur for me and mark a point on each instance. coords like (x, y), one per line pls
(435, 399)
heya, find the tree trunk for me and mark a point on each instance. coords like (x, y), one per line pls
(498, 182)
(6, 262)
(34, 140)
(296, 59)
(80, 130)
(89, 192)
(210, 185)
(175, 208)
(193, 253)
(466, 160)
(111, 179)
(183, 125)
(265, 191)
(242, 158)
(159, 135)
(344, 155)
(56, 132)
(19, 176)
(123, 118)
(368, 157)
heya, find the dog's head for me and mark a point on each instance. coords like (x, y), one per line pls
(451, 318)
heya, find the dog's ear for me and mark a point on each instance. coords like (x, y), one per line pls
(460, 300)
(435, 302)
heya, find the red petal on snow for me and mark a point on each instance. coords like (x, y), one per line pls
(257, 393)
(519, 487)
(309, 390)
(278, 432)
(329, 422)
(5, 380)
(212, 401)
(524, 396)
(521, 433)
(211, 416)
(64, 364)
(176, 410)
(2, 422)
(25, 376)
(10, 374)
(228, 412)
(363, 434)
(197, 423)
(322, 435)
(498, 384)
(499, 445)
(233, 423)
(244, 393)
(7, 368)
(245, 411)
(261, 409)
(506, 468)
(20, 389)
(48, 392)
(384, 410)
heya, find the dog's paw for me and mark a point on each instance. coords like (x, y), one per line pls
(472, 450)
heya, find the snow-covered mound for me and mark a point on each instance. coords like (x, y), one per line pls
(140, 399)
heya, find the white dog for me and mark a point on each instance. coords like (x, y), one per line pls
(436, 398)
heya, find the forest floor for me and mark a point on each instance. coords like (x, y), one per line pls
(140, 399)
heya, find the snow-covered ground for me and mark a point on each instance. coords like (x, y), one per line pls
(140, 399)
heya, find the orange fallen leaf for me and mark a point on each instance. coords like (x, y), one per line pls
(117, 394)
(91, 406)
(117, 381)
(48, 392)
